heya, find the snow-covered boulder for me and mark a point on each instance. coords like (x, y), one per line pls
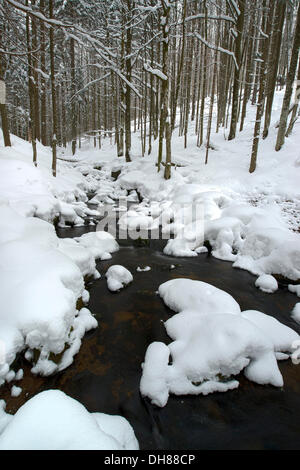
(295, 289)
(181, 294)
(267, 283)
(41, 280)
(213, 341)
(100, 243)
(280, 335)
(118, 277)
(206, 353)
(296, 312)
(53, 421)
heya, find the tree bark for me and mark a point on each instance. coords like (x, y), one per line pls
(289, 86)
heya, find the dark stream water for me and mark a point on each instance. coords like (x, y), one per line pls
(106, 372)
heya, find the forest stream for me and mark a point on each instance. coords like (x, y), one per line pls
(106, 372)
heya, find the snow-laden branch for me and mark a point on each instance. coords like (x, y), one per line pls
(234, 7)
(93, 82)
(209, 17)
(158, 73)
(97, 45)
(2, 51)
(38, 14)
(215, 48)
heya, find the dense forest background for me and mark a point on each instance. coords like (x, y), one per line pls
(109, 68)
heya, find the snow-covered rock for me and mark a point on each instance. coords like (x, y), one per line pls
(40, 282)
(100, 243)
(213, 341)
(296, 312)
(281, 335)
(53, 421)
(267, 283)
(181, 294)
(295, 289)
(118, 277)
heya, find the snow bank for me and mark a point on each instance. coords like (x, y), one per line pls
(118, 277)
(213, 341)
(53, 421)
(295, 289)
(33, 191)
(296, 312)
(99, 243)
(41, 280)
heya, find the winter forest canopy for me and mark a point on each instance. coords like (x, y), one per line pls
(149, 224)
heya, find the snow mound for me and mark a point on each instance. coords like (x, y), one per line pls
(53, 421)
(295, 289)
(136, 180)
(100, 243)
(280, 335)
(296, 312)
(181, 294)
(213, 341)
(267, 283)
(41, 281)
(33, 191)
(81, 256)
(118, 277)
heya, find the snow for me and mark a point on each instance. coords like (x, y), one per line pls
(249, 220)
(181, 294)
(99, 243)
(53, 421)
(142, 270)
(118, 277)
(212, 342)
(34, 191)
(19, 375)
(267, 283)
(16, 391)
(295, 289)
(296, 312)
(42, 278)
(281, 335)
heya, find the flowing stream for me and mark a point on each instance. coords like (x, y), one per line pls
(105, 374)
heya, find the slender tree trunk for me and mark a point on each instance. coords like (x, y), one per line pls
(262, 86)
(289, 86)
(164, 99)
(237, 70)
(53, 91)
(43, 104)
(32, 127)
(274, 61)
(73, 104)
(3, 108)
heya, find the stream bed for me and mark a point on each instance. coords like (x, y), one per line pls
(106, 372)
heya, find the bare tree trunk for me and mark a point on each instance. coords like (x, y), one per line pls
(53, 91)
(3, 109)
(43, 104)
(289, 86)
(164, 99)
(274, 61)
(262, 86)
(237, 70)
(32, 127)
